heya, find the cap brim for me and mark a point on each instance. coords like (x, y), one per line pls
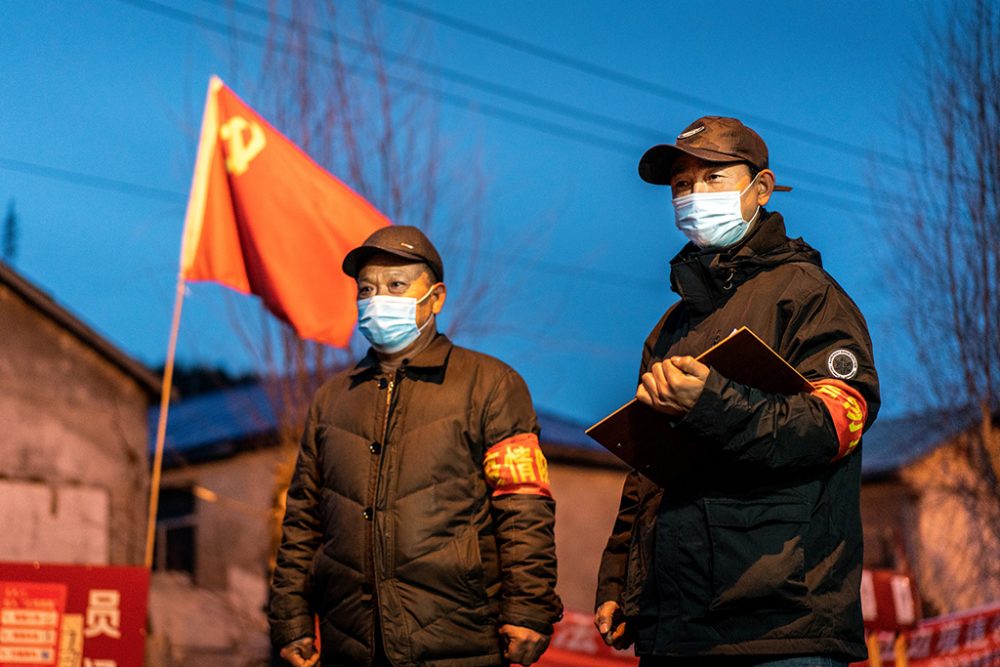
(655, 164)
(356, 259)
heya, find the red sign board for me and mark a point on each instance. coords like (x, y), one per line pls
(889, 601)
(72, 615)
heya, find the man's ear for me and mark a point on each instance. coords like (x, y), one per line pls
(440, 294)
(764, 186)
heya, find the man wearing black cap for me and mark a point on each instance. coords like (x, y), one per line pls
(752, 554)
(419, 524)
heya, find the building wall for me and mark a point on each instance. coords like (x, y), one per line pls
(69, 419)
(887, 517)
(586, 506)
(901, 527)
(53, 522)
(233, 529)
(955, 545)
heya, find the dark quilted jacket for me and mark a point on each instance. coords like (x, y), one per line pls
(756, 548)
(389, 510)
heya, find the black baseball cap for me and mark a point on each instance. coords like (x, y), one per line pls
(710, 138)
(400, 240)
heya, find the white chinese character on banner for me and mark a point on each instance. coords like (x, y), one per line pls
(87, 662)
(995, 630)
(948, 638)
(975, 634)
(103, 615)
(920, 643)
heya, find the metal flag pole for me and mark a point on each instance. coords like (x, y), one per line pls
(161, 424)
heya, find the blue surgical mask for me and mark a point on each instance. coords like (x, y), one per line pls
(712, 219)
(390, 322)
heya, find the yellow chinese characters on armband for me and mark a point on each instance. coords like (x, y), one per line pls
(517, 465)
(848, 409)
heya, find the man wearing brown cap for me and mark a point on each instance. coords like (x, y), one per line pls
(750, 555)
(419, 521)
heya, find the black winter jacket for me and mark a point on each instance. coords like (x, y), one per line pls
(756, 548)
(390, 512)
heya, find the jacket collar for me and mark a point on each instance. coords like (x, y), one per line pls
(432, 359)
(705, 279)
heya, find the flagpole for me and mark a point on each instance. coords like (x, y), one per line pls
(193, 220)
(161, 424)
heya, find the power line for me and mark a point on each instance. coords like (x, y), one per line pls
(135, 189)
(138, 190)
(642, 85)
(408, 60)
(514, 94)
(544, 266)
(91, 181)
(851, 205)
(453, 99)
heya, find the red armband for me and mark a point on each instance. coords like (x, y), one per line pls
(847, 408)
(517, 465)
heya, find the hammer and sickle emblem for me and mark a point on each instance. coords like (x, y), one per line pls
(240, 153)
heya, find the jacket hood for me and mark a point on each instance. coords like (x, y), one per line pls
(704, 279)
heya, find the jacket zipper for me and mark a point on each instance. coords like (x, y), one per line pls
(388, 407)
(378, 481)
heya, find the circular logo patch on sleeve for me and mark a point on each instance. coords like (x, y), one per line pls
(842, 364)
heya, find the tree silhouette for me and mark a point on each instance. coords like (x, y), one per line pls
(947, 278)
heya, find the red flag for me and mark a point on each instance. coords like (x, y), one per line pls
(265, 219)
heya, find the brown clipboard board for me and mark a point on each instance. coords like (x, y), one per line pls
(742, 357)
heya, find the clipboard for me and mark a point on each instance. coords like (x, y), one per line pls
(742, 357)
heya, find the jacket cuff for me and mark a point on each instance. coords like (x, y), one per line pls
(608, 592)
(530, 618)
(284, 633)
(712, 416)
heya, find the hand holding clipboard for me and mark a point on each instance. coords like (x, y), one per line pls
(630, 431)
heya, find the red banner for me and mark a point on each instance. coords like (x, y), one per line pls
(576, 643)
(966, 639)
(72, 615)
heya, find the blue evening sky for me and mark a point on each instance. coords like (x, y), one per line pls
(114, 90)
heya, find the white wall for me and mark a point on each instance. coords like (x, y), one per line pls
(53, 523)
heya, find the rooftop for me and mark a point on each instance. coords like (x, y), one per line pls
(45, 304)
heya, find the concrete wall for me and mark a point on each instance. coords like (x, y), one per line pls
(70, 419)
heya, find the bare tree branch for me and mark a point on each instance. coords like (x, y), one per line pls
(946, 275)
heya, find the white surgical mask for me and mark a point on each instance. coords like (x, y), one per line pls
(712, 219)
(390, 322)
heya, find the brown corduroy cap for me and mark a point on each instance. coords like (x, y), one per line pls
(400, 240)
(710, 138)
